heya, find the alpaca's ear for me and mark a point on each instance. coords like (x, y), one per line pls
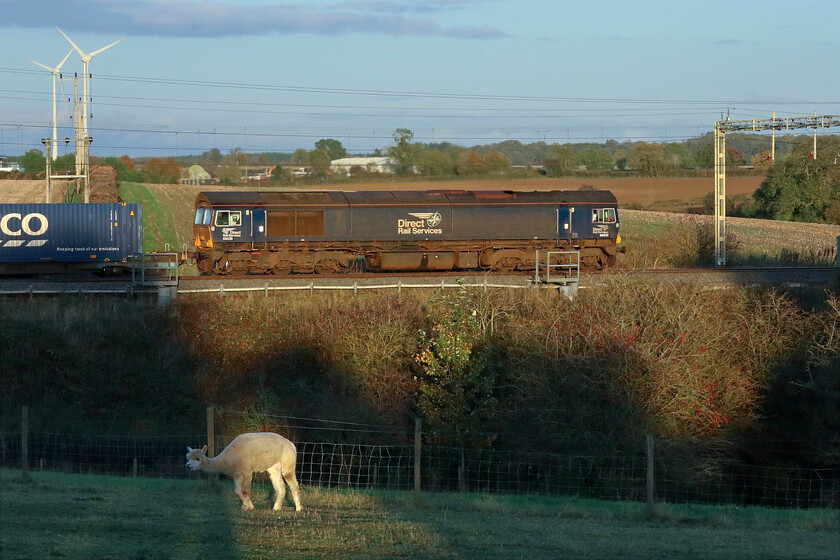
(189, 449)
(204, 450)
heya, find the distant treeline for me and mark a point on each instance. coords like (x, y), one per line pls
(691, 153)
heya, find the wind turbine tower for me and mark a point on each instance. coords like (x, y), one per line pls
(86, 57)
(56, 74)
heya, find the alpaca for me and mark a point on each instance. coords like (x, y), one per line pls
(250, 453)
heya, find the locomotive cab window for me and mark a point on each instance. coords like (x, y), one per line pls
(202, 216)
(603, 215)
(228, 218)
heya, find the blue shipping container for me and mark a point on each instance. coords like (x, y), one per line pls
(69, 233)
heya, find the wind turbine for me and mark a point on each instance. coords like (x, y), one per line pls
(56, 72)
(86, 77)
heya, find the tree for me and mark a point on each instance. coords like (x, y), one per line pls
(734, 157)
(64, 165)
(647, 158)
(162, 170)
(319, 163)
(433, 163)
(215, 155)
(126, 170)
(300, 157)
(128, 162)
(238, 157)
(677, 155)
(706, 156)
(561, 160)
(332, 147)
(496, 162)
(800, 188)
(469, 163)
(404, 151)
(33, 161)
(761, 161)
(594, 158)
(458, 386)
(620, 159)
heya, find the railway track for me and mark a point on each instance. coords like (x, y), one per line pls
(753, 276)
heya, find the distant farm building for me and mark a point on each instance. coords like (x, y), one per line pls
(351, 165)
(196, 175)
(8, 166)
(258, 176)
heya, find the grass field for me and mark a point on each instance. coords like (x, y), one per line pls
(97, 517)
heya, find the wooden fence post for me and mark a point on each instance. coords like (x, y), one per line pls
(211, 433)
(649, 486)
(211, 439)
(417, 448)
(24, 442)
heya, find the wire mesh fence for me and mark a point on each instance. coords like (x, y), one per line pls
(328, 462)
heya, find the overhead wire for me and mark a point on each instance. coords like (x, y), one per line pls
(581, 111)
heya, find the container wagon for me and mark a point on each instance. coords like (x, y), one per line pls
(55, 238)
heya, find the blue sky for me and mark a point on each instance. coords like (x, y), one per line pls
(190, 75)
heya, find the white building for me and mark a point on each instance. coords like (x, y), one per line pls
(345, 166)
(7, 166)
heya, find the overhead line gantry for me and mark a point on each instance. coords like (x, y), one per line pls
(721, 128)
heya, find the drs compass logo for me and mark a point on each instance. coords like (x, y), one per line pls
(425, 224)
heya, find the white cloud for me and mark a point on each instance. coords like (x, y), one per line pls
(180, 18)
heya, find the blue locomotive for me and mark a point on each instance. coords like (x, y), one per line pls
(336, 231)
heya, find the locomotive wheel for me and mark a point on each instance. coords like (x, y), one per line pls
(507, 264)
(327, 267)
(282, 268)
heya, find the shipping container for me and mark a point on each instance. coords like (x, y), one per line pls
(95, 235)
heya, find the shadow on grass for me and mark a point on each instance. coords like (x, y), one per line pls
(102, 517)
(94, 517)
(498, 527)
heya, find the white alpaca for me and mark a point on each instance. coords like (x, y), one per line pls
(250, 453)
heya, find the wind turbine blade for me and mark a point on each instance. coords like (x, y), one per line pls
(44, 66)
(63, 61)
(94, 53)
(78, 50)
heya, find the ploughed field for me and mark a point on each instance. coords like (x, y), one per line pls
(643, 191)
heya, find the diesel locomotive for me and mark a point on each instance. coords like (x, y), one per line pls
(328, 232)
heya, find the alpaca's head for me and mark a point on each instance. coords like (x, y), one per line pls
(195, 457)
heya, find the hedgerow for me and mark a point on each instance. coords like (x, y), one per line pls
(508, 369)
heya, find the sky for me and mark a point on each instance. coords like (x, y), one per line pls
(191, 75)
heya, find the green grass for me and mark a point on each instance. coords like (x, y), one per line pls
(159, 219)
(98, 517)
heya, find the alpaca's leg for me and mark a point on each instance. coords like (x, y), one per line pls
(242, 487)
(279, 486)
(291, 479)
